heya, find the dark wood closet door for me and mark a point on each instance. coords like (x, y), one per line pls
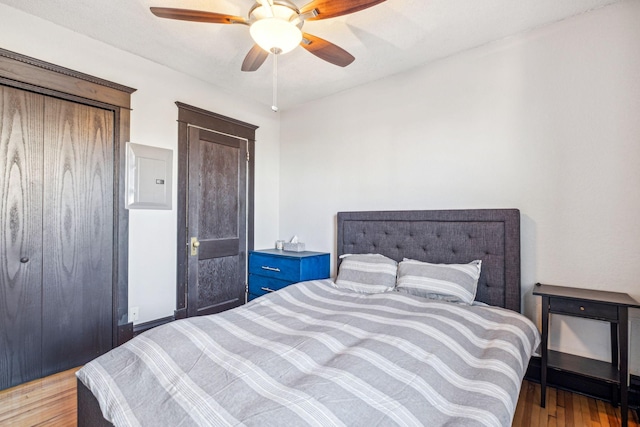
(217, 217)
(77, 234)
(21, 133)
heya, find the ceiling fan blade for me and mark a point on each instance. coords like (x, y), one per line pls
(196, 16)
(332, 8)
(326, 50)
(254, 59)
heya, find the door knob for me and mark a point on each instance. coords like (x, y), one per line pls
(195, 244)
(24, 260)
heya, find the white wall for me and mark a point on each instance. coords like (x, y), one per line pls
(547, 122)
(152, 233)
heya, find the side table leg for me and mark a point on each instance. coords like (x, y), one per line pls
(615, 347)
(544, 349)
(623, 339)
(614, 343)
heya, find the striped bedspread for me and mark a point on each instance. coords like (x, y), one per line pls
(312, 354)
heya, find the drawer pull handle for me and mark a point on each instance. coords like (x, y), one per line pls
(581, 308)
(277, 270)
(267, 290)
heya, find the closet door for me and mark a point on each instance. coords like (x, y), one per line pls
(77, 234)
(21, 133)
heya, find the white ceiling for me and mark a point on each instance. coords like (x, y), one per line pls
(386, 39)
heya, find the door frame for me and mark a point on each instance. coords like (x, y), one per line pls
(194, 116)
(23, 72)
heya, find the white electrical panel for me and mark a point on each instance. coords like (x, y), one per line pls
(149, 172)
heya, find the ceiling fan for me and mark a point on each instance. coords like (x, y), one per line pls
(276, 27)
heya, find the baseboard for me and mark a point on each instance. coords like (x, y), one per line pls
(142, 327)
(582, 385)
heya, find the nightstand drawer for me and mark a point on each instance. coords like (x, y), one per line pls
(588, 309)
(281, 268)
(270, 270)
(260, 285)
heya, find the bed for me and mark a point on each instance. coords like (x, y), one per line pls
(326, 353)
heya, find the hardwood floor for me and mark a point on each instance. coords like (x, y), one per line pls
(51, 401)
(565, 409)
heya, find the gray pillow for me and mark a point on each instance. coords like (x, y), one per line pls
(449, 282)
(367, 273)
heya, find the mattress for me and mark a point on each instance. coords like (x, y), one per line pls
(313, 354)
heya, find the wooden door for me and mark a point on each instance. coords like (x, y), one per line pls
(217, 220)
(21, 136)
(56, 234)
(77, 234)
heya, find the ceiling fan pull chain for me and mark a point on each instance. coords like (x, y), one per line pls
(274, 105)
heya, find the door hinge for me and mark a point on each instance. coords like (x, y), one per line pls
(248, 157)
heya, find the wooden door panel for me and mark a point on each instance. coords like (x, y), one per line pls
(21, 136)
(219, 169)
(216, 248)
(217, 217)
(77, 234)
(218, 285)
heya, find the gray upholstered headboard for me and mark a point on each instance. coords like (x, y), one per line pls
(448, 236)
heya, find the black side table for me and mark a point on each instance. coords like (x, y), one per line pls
(612, 307)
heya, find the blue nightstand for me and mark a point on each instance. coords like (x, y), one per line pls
(273, 269)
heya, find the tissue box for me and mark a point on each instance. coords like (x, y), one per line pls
(293, 247)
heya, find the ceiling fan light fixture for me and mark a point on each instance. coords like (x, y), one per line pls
(275, 34)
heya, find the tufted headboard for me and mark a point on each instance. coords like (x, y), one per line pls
(447, 236)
